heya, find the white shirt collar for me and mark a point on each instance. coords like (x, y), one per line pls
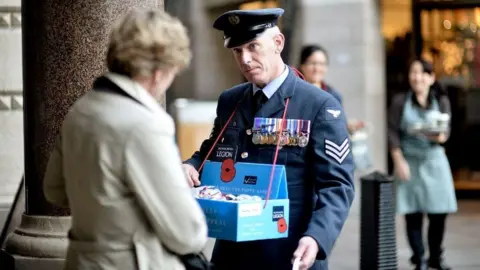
(272, 86)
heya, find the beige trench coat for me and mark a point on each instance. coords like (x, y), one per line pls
(117, 167)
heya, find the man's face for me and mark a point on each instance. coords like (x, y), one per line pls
(256, 60)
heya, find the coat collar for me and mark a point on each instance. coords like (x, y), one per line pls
(272, 87)
(135, 90)
(275, 104)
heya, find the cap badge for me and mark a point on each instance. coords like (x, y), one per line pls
(234, 19)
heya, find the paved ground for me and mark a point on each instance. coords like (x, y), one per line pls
(462, 240)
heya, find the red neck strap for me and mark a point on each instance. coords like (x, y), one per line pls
(298, 73)
(218, 137)
(272, 172)
(276, 153)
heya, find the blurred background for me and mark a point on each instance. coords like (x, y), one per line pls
(370, 44)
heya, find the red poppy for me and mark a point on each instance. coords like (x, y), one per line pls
(282, 225)
(228, 170)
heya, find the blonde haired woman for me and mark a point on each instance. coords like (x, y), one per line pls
(116, 165)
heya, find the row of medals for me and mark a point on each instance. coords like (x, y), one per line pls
(267, 131)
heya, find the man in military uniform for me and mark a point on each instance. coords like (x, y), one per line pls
(316, 153)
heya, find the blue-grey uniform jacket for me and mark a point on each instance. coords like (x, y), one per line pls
(319, 176)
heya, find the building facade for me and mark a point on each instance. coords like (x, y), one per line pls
(11, 104)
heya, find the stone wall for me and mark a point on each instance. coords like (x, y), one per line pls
(350, 30)
(11, 104)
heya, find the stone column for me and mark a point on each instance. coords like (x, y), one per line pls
(213, 68)
(288, 27)
(64, 45)
(350, 31)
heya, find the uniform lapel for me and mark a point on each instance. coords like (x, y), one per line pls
(277, 102)
(245, 107)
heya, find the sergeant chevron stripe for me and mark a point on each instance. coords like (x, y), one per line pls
(338, 152)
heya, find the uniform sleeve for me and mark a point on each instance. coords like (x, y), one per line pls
(394, 119)
(198, 157)
(53, 181)
(338, 96)
(154, 172)
(333, 169)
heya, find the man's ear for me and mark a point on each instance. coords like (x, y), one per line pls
(279, 41)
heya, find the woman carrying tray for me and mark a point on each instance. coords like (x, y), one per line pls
(425, 183)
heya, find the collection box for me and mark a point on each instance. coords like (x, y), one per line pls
(246, 220)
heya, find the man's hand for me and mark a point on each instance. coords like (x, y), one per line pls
(192, 175)
(307, 252)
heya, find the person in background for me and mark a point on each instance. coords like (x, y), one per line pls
(116, 164)
(314, 66)
(425, 182)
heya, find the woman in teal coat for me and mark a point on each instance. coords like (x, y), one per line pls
(425, 183)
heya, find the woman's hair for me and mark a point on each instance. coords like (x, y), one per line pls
(144, 41)
(436, 89)
(308, 50)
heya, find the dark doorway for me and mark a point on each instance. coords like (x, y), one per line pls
(448, 34)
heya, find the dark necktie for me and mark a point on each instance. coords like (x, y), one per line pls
(259, 99)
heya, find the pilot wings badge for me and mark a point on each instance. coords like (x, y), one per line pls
(334, 113)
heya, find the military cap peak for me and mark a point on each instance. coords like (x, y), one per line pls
(242, 26)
